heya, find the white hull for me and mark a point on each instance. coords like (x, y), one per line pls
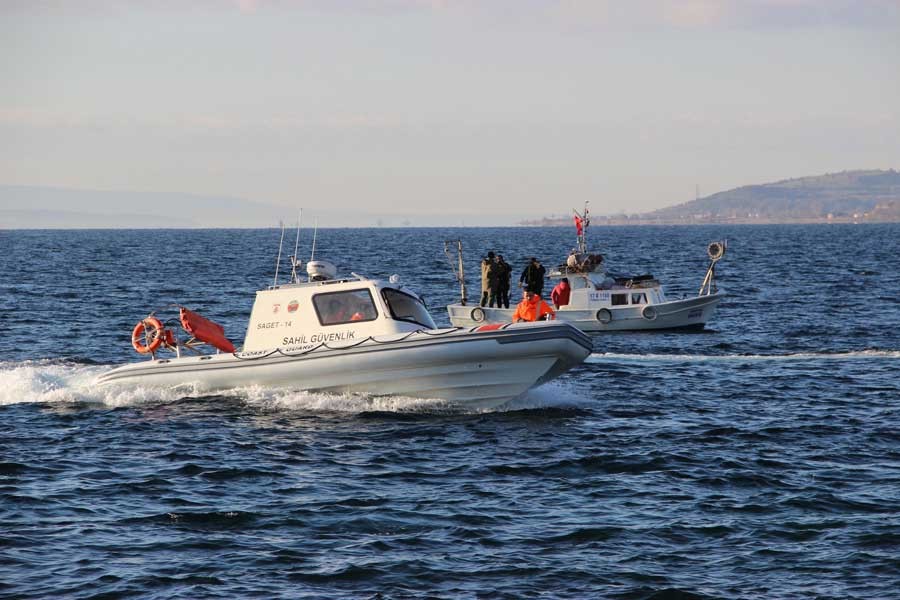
(676, 314)
(472, 369)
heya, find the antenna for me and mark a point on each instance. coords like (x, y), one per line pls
(295, 262)
(278, 260)
(315, 231)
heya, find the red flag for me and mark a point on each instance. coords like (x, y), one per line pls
(579, 225)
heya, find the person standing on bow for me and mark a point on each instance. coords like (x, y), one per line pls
(503, 276)
(495, 274)
(487, 265)
(533, 276)
(532, 308)
(560, 294)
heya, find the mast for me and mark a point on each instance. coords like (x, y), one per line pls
(458, 271)
(582, 221)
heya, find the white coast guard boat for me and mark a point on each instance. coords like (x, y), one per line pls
(602, 301)
(354, 335)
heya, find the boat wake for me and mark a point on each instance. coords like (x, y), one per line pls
(67, 383)
(55, 382)
(607, 357)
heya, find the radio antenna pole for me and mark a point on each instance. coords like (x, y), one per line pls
(295, 262)
(278, 260)
(315, 232)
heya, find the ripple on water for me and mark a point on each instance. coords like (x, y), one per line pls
(757, 459)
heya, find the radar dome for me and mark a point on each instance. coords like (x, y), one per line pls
(320, 270)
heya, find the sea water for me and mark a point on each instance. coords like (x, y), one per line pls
(758, 458)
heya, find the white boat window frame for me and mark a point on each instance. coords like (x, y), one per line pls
(418, 301)
(368, 291)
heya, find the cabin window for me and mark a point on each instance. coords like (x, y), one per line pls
(619, 299)
(639, 298)
(338, 308)
(404, 307)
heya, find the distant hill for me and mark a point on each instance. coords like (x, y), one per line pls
(849, 196)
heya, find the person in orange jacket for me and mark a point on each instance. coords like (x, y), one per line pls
(560, 294)
(532, 308)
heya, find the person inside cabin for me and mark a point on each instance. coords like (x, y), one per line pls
(337, 312)
(560, 294)
(503, 277)
(533, 276)
(487, 266)
(532, 308)
(362, 311)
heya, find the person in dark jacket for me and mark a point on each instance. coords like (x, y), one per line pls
(504, 276)
(487, 265)
(494, 275)
(533, 276)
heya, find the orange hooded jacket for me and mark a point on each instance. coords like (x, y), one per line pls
(532, 310)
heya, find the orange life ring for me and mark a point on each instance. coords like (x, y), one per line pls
(142, 331)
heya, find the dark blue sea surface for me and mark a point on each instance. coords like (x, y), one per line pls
(759, 458)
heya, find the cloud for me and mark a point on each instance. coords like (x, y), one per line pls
(593, 14)
(248, 6)
(731, 14)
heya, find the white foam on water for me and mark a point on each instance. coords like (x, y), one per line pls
(281, 399)
(555, 394)
(606, 357)
(549, 395)
(67, 383)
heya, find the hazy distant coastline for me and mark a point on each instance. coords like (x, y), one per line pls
(870, 196)
(36, 207)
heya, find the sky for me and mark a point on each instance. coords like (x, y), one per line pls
(492, 110)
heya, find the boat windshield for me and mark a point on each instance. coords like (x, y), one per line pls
(404, 307)
(338, 308)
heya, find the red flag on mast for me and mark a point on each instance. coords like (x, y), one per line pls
(579, 225)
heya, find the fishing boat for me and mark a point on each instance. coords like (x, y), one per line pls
(601, 300)
(351, 335)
